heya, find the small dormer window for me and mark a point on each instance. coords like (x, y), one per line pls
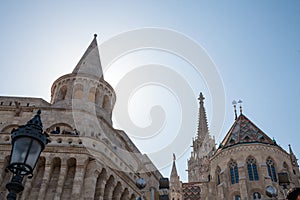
(247, 138)
(262, 138)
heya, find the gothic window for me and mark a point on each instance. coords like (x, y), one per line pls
(218, 174)
(234, 172)
(256, 195)
(237, 197)
(252, 169)
(271, 169)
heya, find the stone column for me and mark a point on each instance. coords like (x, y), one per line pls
(102, 188)
(111, 191)
(27, 188)
(61, 179)
(45, 180)
(90, 186)
(2, 168)
(243, 182)
(78, 182)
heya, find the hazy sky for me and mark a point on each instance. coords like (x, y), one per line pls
(255, 46)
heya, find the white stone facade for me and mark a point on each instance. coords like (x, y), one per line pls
(87, 158)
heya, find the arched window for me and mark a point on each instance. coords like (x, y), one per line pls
(237, 197)
(62, 93)
(271, 169)
(252, 169)
(78, 91)
(256, 195)
(106, 103)
(234, 172)
(218, 174)
(285, 166)
(92, 95)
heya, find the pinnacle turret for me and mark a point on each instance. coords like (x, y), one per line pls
(175, 183)
(293, 157)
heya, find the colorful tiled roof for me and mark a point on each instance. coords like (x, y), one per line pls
(191, 192)
(245, 131)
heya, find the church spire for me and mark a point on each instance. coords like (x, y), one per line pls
(174, 178)
(202, 123)
(89, 63)
(174, 173)
(293, 157)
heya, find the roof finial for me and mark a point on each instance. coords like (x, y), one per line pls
(234, 106)
(95, 35)
(241, 108)
(201, 98)
(174, 157)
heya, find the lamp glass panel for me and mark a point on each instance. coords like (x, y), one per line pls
(34, 153)
(20, 150)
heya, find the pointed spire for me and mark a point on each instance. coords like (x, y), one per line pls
(174, 170)
(174, 178)
(293, 157)
(202, 123)
(90, 61)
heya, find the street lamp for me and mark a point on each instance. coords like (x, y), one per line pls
(141, 184)
(28, 141)
(271, 192)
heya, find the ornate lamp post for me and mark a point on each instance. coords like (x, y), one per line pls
(28, 141)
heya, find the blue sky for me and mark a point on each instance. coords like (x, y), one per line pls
(254, 44)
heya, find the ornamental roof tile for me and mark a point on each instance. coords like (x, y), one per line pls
(245, 131)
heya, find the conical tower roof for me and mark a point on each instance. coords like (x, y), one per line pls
(89, 63)
(245, 131)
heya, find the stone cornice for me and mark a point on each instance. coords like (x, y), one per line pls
(248, 148)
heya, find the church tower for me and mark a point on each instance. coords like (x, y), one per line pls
(203, 148)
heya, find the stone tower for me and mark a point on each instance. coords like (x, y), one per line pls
(203, 148)
(87, 158)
